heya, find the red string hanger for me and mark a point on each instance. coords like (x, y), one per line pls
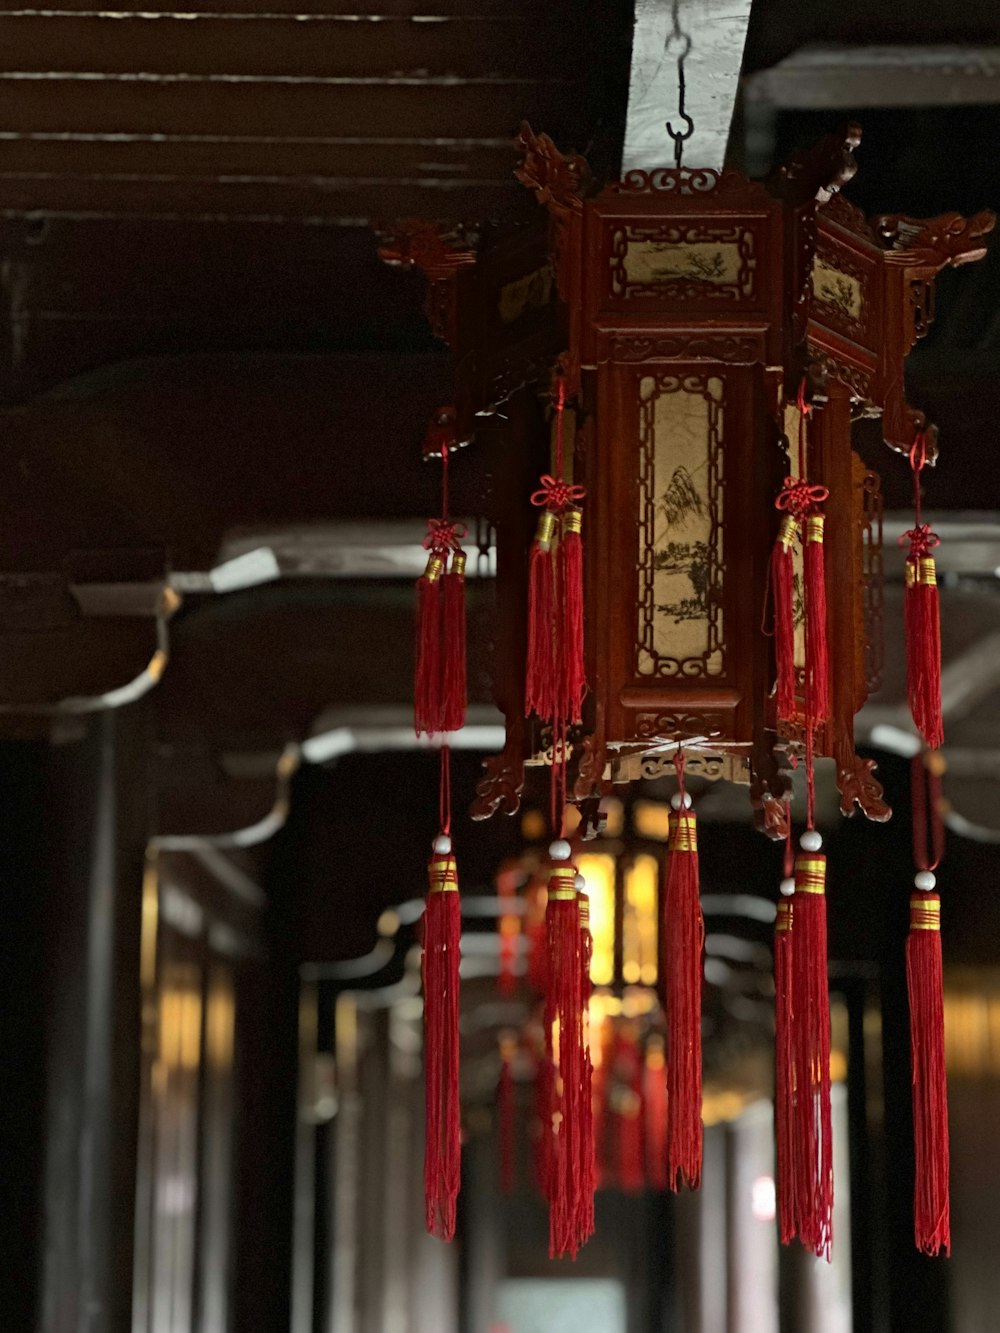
(439, 695)
(555, 679)
(931, 1210)
(800, 505)
(922, 616)
(684, 930)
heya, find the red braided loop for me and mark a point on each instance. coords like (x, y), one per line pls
(557, 495)
(799, 497)
(922, 541)
(443, 536)
(918, 452)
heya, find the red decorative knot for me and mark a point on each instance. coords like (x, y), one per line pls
(557, 495)
(443, 536)
(799, 497)
(922, 541)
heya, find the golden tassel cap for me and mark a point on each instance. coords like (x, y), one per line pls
(458, 563)
(442, 875)
(810, 873)
(788, 531)
(546, 530)
(562, 883)
(684, 833)
(572, 522)
(925, 913)
(435, 567)
(814, 528)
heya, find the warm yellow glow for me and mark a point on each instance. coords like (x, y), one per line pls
(651, 819)
(639, 927)
(180, 1020)
(220, 1021)
(598, 871)
(150, 922)
(532, 825)
(972, 1031)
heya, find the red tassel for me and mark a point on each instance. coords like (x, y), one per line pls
(428, 676)
(923, 638)
(564, 1021)
(573, 683)
(931, 1211)
(811, 1139)
(655, 1101)
(817, 653)
(783, 586)
(454, 699)
(540, 678)
(588, 1165)
(505, 1112)
(443, 1129)
(630, 1163)
(684, 928)
(784, 1077)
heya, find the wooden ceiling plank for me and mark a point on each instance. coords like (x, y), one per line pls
(406, 159)
(226, 107)
(338, 200)
(280, 46)
(361, 11)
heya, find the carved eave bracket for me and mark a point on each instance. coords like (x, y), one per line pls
(916, 250)
(442, 257)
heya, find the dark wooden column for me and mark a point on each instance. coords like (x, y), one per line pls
(75, 826)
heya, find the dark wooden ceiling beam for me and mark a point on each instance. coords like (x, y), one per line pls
(283, 45)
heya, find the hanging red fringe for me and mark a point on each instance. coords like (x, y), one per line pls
(443, 1129)
(540, 677)
(923, 616)
(784, 1078)
(684, 928)
(923, 637)
(555, 679)
(931, 1210)
(931, 1207)
(783, 587)
(454, 695)
(505, 1112)
(427, 710)
(573, 671)
(654, 1089)
(439, 687)
(588, 1165)
(811, 1138)
(564, 1021)
(817, 653)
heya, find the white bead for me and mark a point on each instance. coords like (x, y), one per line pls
(560, 850)
(442, 844)
(924, 880)
(677, 801)
(580, 883)
(787, 887)
(810, 841)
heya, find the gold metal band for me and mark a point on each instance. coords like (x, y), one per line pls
(925, 913)
(562, 883)
(788, 530)
(442, 875)
(684, 834)
(814, 528)
(783, 922)
(546, 529)
(810, 874)
(583, 902)
(458, 563)
(922, 571)
(572, 521)
(435, 568)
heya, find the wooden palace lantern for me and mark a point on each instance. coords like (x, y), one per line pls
(689, 571)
